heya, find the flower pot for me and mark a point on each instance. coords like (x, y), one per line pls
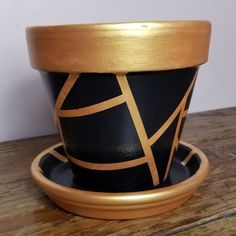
(121, 94)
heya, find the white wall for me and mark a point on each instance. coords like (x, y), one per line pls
(24, 106)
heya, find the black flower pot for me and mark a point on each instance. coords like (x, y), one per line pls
(121, 94)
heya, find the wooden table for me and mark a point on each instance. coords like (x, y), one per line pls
(25, 210)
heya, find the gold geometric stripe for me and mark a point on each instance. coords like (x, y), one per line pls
(185, 113)
(166, 125)
(58, 155)
(133, 109)
(163, 128)
(93, 108)
(127, 97)
(174, 145)
(72, 78)
(182, 113)
(188, 157)
(108, 166)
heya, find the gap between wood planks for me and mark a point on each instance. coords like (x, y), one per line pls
(180, 229)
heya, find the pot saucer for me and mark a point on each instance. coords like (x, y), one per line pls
(52, 173)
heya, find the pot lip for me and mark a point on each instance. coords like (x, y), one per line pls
(142, 25)
(119, 47)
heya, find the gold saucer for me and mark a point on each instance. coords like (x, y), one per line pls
(125, 205)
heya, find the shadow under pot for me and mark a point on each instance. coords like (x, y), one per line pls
(121, 129)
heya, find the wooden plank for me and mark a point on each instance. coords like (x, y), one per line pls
(224, 226)
(24, 210)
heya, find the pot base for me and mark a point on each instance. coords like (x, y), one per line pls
(52, 173)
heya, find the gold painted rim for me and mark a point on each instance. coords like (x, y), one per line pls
(131, 200)
(119, 47)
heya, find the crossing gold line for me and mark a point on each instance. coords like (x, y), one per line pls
(174, 145)
(134, 112)
(101, 106)
(182, 112)
(165, 126)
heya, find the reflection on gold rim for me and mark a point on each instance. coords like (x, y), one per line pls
(124, 47)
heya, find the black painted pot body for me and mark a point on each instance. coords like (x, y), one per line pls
(121, 131)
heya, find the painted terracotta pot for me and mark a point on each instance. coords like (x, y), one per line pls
(121, 94)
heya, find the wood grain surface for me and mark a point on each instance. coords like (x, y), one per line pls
(25, 210)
